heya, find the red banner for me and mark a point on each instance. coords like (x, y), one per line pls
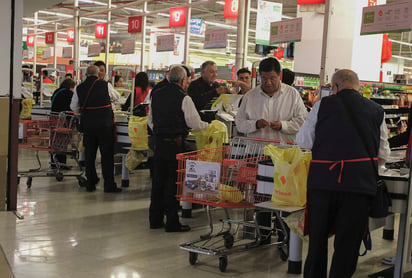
(70, 35)
(135, 24)
(30, 40)
(100, 30)
(177, 17)
(231, 9)
(49, 38)
(307, 2)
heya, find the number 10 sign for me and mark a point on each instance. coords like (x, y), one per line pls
(135, 24)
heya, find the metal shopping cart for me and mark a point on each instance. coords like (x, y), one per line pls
(238, 164)
(56, 134)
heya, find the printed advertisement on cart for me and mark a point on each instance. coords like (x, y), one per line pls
(202, 177)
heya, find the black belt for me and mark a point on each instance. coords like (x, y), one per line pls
(176, 139)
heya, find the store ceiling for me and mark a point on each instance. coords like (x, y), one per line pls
(211, 11)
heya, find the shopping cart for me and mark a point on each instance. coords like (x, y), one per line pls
(238, 163)
(56, 134)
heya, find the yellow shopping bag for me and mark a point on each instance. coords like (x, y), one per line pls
(213, 137)
(291, 168)
(133, 159)
(26, 106)
(138, 132)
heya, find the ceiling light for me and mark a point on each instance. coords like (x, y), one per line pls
(95, 19)
(401, 42)
(401, 57)
(55, 14)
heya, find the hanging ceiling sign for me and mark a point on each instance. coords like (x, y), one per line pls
(93, 50)
(286, 31)
(197, 26)
(394, 17)
(67, 52)
(215, 38)
(231, 9)
(100, 30)
(49, 38)
(177, 17)
(128, 46)
(267, 12)
(372, 3)
(135, 24)
(308, 2)
(165, 43)
(30, 40)
(70, 35)
(46, 53)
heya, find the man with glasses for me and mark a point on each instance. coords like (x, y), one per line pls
(272, 110)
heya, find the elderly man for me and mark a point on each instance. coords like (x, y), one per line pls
(204, 89)
(92, 100)
(347, 135)
(272, 110)
(171, 114)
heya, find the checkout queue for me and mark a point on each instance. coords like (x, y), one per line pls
(271, 110)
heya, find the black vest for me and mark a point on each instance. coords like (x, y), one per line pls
(337, 138)
(167, 114)
(97, 111)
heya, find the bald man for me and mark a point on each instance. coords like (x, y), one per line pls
(347, 135)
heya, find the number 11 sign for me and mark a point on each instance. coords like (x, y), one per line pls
(135, 24)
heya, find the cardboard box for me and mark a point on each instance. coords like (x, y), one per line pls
(4, 125)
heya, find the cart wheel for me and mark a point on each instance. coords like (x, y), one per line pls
(283, 252)
(28, 182)
(59, 176)
(192, 258)
(222, 263)
(82, 181)
(229, 240)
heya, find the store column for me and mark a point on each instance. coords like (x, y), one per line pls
(11, 15)
(346, 48)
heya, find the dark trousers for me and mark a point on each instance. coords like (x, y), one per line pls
(348, 213)
(102, 138)
(163, 198)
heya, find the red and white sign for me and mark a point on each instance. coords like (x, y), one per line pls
(308, 2)
(372, 3)
(135, 24)
(177, 17)
(70, 35)
(231, 9)
(30, 40)
(100, 30)
(49, 38)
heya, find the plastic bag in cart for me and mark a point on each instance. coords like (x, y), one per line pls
(213, 137)
(133, 159)
(138, 132)
(291, 167)
(26, 107)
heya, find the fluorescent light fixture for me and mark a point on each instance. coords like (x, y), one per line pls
(93, 2)
(95, 19)
(55, 14)
(122, 23)
(133, 9)
(39, 21)
(221, 25)
(163, 14)
(400, 42)
(402, 57)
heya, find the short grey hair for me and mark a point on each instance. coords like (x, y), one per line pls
(92, 71)
(177, 74)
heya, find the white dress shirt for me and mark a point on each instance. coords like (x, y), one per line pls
(306, 135)
(286, 105)
(192, 117)
(75, 106)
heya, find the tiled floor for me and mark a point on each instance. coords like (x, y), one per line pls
(67, 232)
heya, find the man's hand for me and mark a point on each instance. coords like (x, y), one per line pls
(276, 125)
(222, 90)
(261, 123)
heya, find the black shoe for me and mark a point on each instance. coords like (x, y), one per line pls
(157, 226)
(186, 213)
(90, 188)
(180, 228)
(113, 190)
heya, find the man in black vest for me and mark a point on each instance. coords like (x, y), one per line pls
(92, 97)
(348, 137)
(171, 115)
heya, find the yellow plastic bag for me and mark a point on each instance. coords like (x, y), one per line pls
(290, 174)
(213, 137)
(26, 106)
(296, 222)
(133, 159)
(229, 193)
(138, 133)
(222, 99)
(81, 147)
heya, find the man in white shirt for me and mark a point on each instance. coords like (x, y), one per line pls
(114, 95)
(272, 110)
